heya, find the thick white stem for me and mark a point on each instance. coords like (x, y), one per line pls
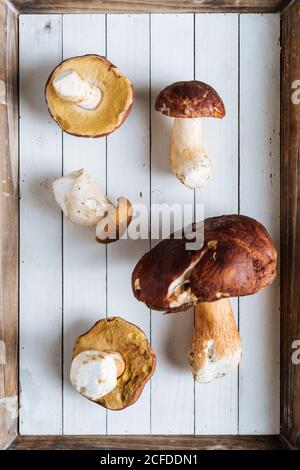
(188, 158)
(70, 87)
(94, 373)
(216, 345)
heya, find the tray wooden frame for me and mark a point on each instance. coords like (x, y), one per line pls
(290, 223)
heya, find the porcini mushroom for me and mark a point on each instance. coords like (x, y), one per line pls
(112, 362)
(88, 96)
(82, 201)
(237, 258)
(188, 102)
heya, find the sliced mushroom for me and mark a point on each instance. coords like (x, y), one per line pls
(88, 96)
(189, 102)
(80, 198)
(112, 362)
(83, 202)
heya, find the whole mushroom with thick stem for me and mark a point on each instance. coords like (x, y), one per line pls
(112, 363)
(83, 202)
(237, 258)
(189, 102)
(88, 96)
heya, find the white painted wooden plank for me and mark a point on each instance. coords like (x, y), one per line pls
(216, 63)
(40, 225)
(84, 260)
(128, 153)
(259, 188)
(172, 398)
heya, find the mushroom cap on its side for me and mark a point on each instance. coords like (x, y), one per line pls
(116, 334)
(190, 99)
(117, 97)
(237, 258)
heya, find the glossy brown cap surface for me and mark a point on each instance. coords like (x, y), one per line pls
(237, 258)
(190, 99)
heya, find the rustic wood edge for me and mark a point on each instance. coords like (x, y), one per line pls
(146, 6)
(290, 228)
(290, 164)
(149, 443)
(8, 225)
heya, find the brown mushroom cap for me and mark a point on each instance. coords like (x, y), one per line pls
(116, 334)
(237, 258)
(117, 97)
(190, 99)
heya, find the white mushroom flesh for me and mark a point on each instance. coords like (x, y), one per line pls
(188, 158)
(179, 292)
(70, 87)
(214, 365)
(80, 198)
(94, 373)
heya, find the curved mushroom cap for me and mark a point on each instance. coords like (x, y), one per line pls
(117, 97)
(116, 334)
(237, 258)
(190, 99)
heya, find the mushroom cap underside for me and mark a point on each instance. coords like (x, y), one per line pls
(237, 258)
(114, 108)
(190, 99)
(116, 334)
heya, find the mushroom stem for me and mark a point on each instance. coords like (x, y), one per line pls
(71, 87)
(216, 345)
(188, 158)
(94, 373)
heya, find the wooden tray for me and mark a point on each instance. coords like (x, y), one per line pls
(55, 282)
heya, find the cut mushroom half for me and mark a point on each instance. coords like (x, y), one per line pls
(115, 223)
(112, 363)
(216, 347)
(188, 102)
(88, 96)
(84, 203)
(80, 198)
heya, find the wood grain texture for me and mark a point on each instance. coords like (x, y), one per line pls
(128, 174)
(172, 410)
(216, 403)
(134, 6)
(40, 231)
(8, 226)
(150, 443)
(84, 259)
(290, 225)
(259, 377)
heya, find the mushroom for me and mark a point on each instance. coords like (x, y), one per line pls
(111, 363)
(188, 102)
(88, 96)
(237, 258)
(83, 202)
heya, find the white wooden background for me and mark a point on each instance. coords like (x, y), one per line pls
(67, 281)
